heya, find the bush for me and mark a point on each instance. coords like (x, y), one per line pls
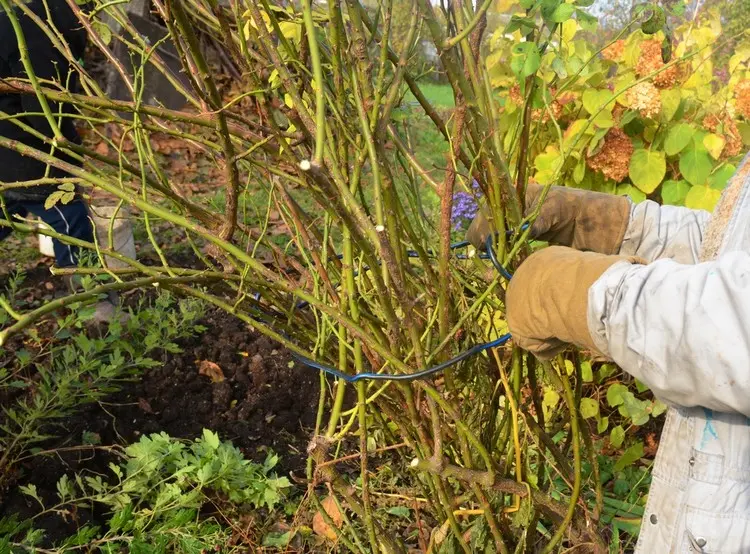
(644, 117)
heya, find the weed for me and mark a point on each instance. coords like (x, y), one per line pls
(164, 496)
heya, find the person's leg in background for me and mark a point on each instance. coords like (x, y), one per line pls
(71, 219)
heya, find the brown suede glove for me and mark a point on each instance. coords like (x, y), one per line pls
(547, 299)
(578, 218)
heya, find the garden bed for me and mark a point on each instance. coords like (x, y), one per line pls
(228, 379)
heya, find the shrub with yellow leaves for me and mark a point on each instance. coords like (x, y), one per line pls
(626, 121)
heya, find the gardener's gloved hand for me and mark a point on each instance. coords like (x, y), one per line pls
(581, 219)
(547, 299)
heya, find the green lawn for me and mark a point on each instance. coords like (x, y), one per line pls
(440, 96)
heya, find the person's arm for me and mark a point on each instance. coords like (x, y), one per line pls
(609, 224)
(655, 232)
(684, 330)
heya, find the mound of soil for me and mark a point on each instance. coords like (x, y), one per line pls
(263, 401)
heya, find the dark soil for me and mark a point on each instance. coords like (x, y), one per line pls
(264, 402)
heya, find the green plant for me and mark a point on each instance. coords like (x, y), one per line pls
(52, 376)
(164, 496)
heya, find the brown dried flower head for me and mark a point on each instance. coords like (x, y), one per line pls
(645, 98)
(726, 127)
(613, 159)
(650, 61)
(614, 51)
(742, 98)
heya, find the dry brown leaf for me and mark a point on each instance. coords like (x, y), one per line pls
(144, 405)
(211, 370)
(319, 524)
(102, 149)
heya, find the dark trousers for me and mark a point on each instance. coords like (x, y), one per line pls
(71, 219)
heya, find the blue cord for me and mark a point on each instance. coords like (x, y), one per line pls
(491, 252)
(423, 374)
(402, 376)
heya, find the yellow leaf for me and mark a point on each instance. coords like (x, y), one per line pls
(714, 144)
(569, 29)
(288, 100)
(569, 367)
(505, 6)
(291, 30)
(702, 198)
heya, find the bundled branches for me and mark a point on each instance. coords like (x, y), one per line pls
(311, 128)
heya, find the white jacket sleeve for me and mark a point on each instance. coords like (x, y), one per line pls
(656, 232)
(684, 330)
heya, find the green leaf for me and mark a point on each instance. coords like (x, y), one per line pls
(674, 192)
(526, 59)
(558, 66)
(695, 164)
(399, 511)
(593, 100)
(626, 189)
(702, 198)
(602, 424)
(520, 23)
(615, 394)
(647, 169)
(53, 199)
(617, 436)
(744, 128)
(589, 408)
(547, 164)
(658, 408)
(714, 144)
(630, 456)
(211, 439)
(670, 102)
(549, 402)
(279, 540)
(719, 178)
(562, 13)
(30, 490)
(579, 172)
(587, 21)
(587, 374)
(103, 30)
(678, 138)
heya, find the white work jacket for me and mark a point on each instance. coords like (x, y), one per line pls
(681, 324)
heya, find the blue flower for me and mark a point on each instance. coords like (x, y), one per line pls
(465, 205)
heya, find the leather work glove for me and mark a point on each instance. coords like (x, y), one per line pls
(581, 219)
(547, 299)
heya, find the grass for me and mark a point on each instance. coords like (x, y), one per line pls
(439, 95)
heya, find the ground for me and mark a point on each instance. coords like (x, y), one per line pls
(263, 400)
